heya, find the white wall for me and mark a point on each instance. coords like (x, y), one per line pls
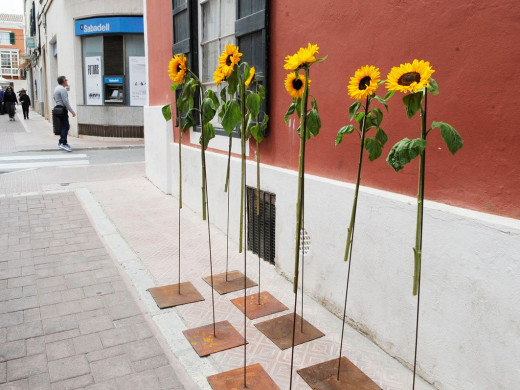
(470, 323)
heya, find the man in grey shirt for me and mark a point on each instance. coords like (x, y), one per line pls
(61, 97)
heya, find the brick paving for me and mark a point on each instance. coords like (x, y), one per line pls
(67, 319)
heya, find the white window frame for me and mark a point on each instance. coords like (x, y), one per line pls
(8, 42)
(10, 70)
(220, 142)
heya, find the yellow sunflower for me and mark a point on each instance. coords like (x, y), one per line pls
(251, 75)
(229, 58)
(409, 77)
(305, 55)
(219, 75)
(294, 84)
(364, 82)
(177, 68)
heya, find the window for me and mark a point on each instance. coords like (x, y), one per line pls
(6, 38)
(217, 23)
(9, 62)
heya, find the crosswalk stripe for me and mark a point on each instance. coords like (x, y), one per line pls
(43, 157)
(42, 164)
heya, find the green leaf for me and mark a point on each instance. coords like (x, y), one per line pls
(175, 86)
(412, 103)
(320, 59)
(261, 92)
(374, 148)
(208, 111)
(189, 121)
(263, 125)
(359, 117)
(378, 116)
(382, 101)
(209, 134)
(232, 116)
(381, 136)
(405, 151)
(257, 133)
(450, 135)
(247, 70)
(289, 112)
(233, 81)
(167, 112)
(298, 103)
(314, 104)
(433, 87)
(213, 96)
(313, 122)
(389, 94)
(253, 103)
(182, 105)
(353, 109)
(223, 95)
(344, 130)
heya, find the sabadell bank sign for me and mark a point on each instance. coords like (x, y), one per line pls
(111, 25)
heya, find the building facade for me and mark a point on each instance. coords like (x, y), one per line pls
(12, 49)
(471, 251)
(99, 46)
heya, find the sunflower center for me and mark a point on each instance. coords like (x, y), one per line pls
(297, 84)
(364, 82)
(179, 68)
(409, 78)
(228, 60)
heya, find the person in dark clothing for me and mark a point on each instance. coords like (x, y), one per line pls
(26, 102)
(1, 101)
(10, 101)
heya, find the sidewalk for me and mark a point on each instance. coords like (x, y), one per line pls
(36, 134)
(137, 226)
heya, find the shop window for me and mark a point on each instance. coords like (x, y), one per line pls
(113, 55)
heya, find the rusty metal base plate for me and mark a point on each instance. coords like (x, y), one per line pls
(268, 305)
(256, 379)
(234, 282)
(205, 343)
(168, 296)
(324, 376)
(280, 330)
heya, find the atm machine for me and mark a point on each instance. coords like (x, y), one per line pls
(114, 89)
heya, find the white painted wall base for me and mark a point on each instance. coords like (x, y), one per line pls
(470, 325)
(158, 138)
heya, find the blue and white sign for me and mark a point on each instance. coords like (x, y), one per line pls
(113, 80)
(110, 25)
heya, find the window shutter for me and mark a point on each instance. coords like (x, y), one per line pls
(11, 38)
(252, 34)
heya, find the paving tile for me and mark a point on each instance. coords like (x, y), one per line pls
(110, 368)
(24, 331)
(10, 319)
(145, 380)
(98, 289)
(69, 367)
(95, 324)
(31, 315)
(72, 294)
(48, 311)
(124, 310)
(87, 343)
(3, 372)
(22, 303)
(117, 336)
(106, 353)
(167, 378)
(25, 367)
(91, 303)
(143, 349)
(3, 335)
(59, 324)
(109, 385)
(10, 293)
(21, 282)
(92, 313)
(50, 298)
(150, 363)
(22, 384)
(60, 349)
(68, 334)
(66, 308)
(35, 345)
(73, 383)
(12, 350)
(39, 382)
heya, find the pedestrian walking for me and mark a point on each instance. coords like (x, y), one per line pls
(10, 101)
(1, 101)
(25, 100)
(61, 97)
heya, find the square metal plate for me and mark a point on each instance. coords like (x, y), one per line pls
(205, 343)
(168, 296)
(234, 282)
(256, 379)
(280, 330)
(324, 376)
(268, 305)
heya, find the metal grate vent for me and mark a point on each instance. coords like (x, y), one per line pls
(305, 242)
(261, 228)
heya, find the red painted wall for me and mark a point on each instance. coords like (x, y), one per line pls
(471, 45)
(474, 49)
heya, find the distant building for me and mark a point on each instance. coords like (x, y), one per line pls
(99, 46)
(12, 47)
